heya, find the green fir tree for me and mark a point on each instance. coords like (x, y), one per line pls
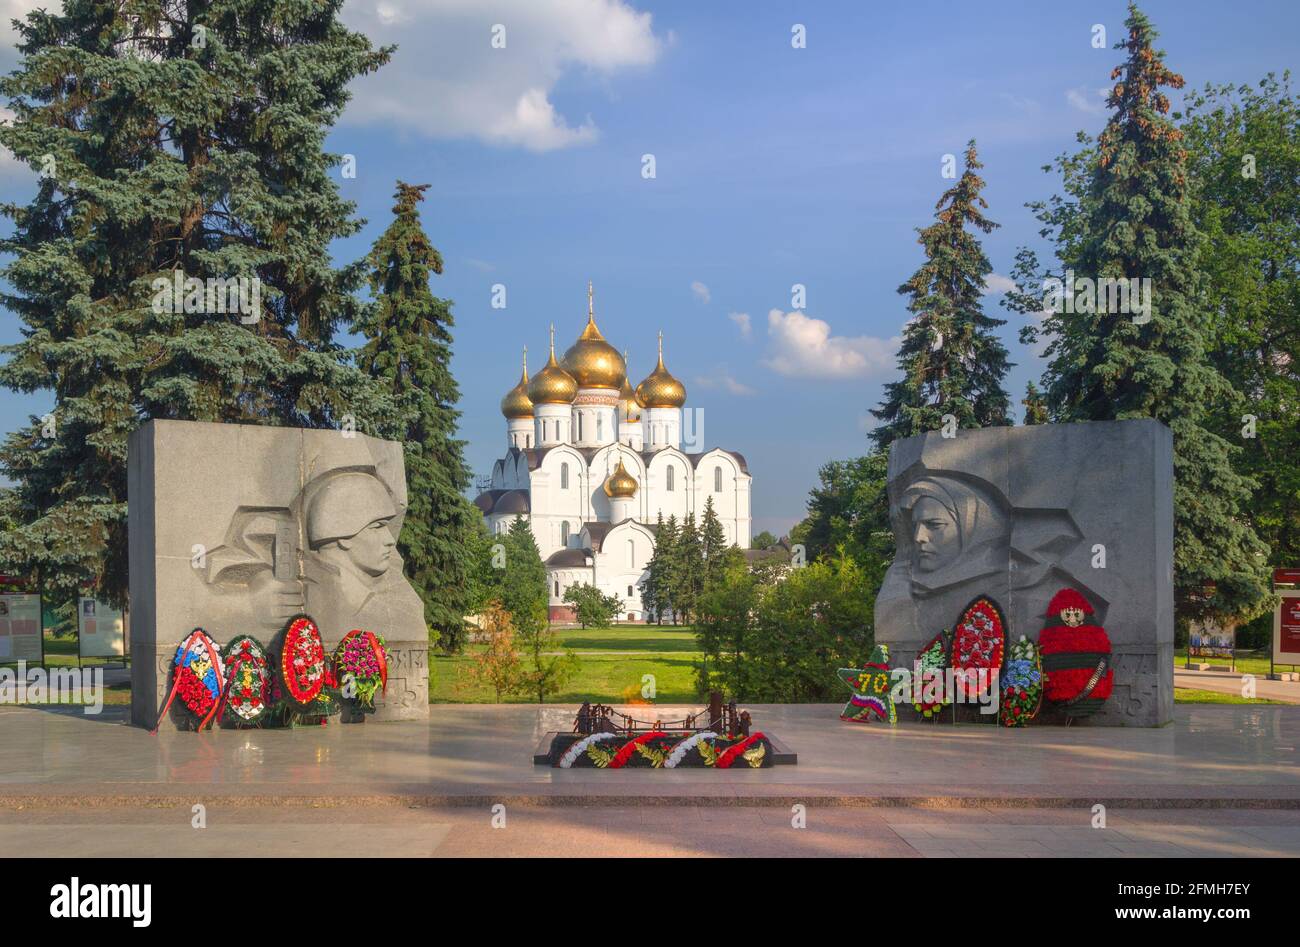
(951, 360)
(408, 350)
(687, 577)
(176, 143)
(523, 593)
(657, 586)
(1127, 216)
(1035, 406)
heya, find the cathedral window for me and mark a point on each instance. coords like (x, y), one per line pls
(670, 479)
(631, 553)
(717, 479)
(579, 426)
(564, 476)
(557, 588)
(564, 534)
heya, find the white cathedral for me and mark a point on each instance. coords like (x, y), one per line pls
(592, 464)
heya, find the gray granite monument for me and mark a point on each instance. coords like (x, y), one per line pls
(1021, 512)
(237, 528)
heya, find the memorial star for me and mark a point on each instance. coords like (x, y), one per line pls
(871, 690)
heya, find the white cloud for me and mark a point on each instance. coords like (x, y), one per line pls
(447, 81)
(741, 319)
(722, 380)
(803, 347)
(700, 291)
(1091, 101)
(996, 284)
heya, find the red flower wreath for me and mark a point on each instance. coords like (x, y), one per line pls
(303, 667)
(977, 644)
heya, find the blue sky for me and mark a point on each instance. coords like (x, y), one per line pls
(774, 166)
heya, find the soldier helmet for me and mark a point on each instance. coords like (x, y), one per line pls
(345, 504)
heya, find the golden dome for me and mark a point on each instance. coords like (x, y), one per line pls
(592, 361)
(620, 483)
(660, 389)
(628, 405)
(516, 403)
(552, 385)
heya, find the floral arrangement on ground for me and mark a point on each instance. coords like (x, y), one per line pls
(657, 749)
(361, 667)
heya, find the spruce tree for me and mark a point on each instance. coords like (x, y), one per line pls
(951, 360)
(174, 140)
(1035, 406)
(688, 570)
(525, 596)
(521, 585)
(657, 587)
(1128, 217)
(408, 349)
(713, 542)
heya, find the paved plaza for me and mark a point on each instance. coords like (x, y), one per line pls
(1221, 780)
(615, 831)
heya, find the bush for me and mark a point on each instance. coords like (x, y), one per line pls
(781, 641)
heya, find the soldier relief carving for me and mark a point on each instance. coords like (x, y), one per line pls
(1016, 514)
(330, 553)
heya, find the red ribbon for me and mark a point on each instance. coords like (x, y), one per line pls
(729, 756)
(216, 666)
(625, 751)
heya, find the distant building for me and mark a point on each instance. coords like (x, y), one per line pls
(592, 464)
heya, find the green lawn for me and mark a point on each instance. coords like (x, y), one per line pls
(1248, 662)
(614, 662)
(1188, 695)
(658, 639)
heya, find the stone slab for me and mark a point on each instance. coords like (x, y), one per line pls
(237, 528)
(1033, 505)
(1212, 756)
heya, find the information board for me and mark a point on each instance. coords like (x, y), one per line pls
(101, 632)
(20, 629)
(1286, 629)
(1208, 640)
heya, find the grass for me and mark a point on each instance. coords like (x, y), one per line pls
(614, 664)
(649, 638)
(1248, 662)
(1190, 695)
